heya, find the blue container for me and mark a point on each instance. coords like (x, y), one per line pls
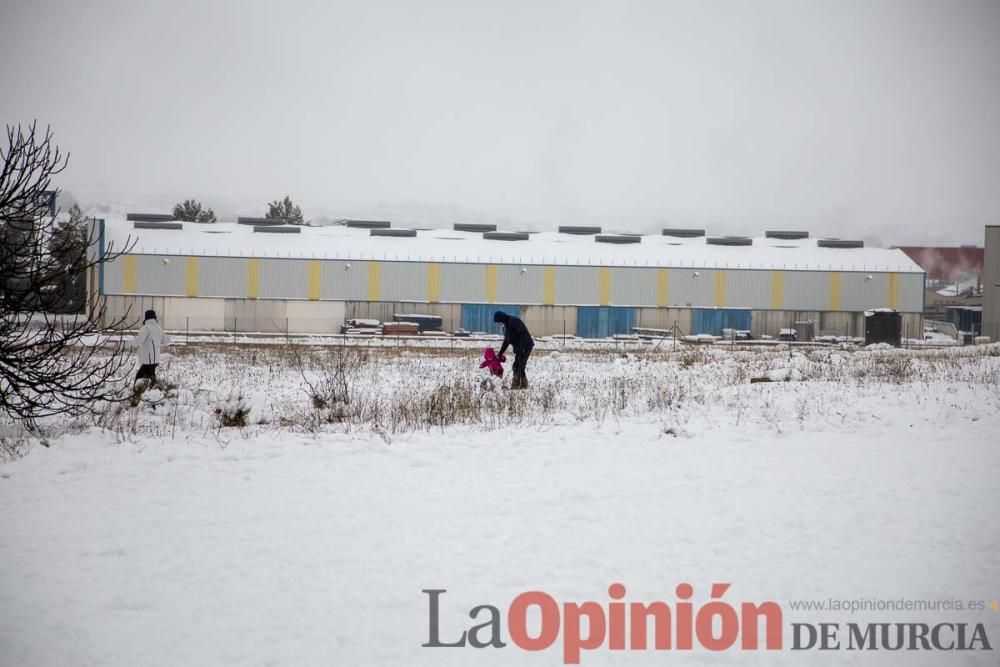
(603, 321)
(713, 320)
(479, 316)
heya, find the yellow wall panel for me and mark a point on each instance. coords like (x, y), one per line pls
(778, 290)
(662, 287)
(604, 286)
(835, 291)
(253, 278)
(374, 281)
(491, 283)
(128, 274)
(893, 296)
(315, 269)
(549, 297)
(433, 283)
(191, 278)
(720, 288)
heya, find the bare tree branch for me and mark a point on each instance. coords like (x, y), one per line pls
(49, 364)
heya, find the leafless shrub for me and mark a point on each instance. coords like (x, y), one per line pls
(329, 379)
(622, 392)
(692, 355)
(385, 390)
(234, 411)
(13, 440)
(666, 397)
(547, 399)
(890, 368)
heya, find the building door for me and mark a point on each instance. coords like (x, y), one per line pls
(479, 316)
(603, 321)
(713, 320)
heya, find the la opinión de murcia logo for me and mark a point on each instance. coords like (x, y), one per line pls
(714, 625)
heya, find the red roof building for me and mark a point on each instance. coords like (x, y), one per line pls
(947, 263)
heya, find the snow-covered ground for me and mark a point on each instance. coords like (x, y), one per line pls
(168, 539)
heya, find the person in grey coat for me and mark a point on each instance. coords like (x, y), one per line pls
(148, 342)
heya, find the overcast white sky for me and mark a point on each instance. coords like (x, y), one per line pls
(845, 117)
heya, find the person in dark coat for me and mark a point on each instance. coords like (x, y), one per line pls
(516, 335)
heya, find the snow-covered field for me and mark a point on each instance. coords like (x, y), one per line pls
(306, 536)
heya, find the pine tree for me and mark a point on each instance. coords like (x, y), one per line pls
(191, 211)
(285, 210)
(68, 250)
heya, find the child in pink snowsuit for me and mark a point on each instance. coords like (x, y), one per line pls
(492, 361)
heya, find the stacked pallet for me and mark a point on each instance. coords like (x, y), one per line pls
(400, 329)
(361, 327)
(425, 322)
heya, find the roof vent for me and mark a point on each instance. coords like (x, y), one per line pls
(506, 236)
(393, 232)
(838, 243)
(785, 235)
(271, 229)
(473, 227)
(574, 229)
(368, 224)
(618, 238)
(260, 222)
(729, 240)
(684, 233)
(158, 225)
(150, 217)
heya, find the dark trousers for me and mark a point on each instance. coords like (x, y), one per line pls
(147, 371)
(520, 379)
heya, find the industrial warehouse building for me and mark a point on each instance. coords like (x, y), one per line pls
(255, 275)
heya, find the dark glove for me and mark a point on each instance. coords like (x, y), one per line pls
(502, 358)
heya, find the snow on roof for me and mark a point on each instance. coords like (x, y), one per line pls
(446, 245)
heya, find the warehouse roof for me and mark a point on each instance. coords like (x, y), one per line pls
(444, 245)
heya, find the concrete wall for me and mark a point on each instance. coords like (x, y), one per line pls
(127, 311)
(664, 318)
(184, 314)
(316, 316)
(208, 314)
(319, 317)
(991, 283)
(841, 324)
(550, 320)
(267, 316)
(450, 313)
(770, 322)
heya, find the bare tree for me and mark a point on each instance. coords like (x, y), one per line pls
(49, 364)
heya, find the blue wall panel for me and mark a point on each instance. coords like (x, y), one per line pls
(603, 321)
(479, 316)
(714, 320)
